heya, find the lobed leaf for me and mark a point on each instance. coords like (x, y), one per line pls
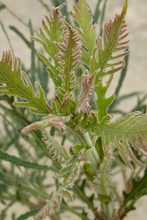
(68, 57)
(15, 82)
(127, 135)
(69, 179)
(112, 47)
(83, 19)
(49, 36)
(102, 181)
(103, 102)
(55, 150)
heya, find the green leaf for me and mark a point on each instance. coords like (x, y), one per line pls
(19, 162)
(139, 189)
(69, 179)
(49, 37)
(102, 181)
(28, 214)
(21, 35)
(87, 31)
(120, 82)
(33, 54)
(123, 98)
(55, 150)
(57, 3)
(122, 76)
(97, 12)
(112, 47)
(126, 134)
(16, 83)
(68, 57)
(102, 101)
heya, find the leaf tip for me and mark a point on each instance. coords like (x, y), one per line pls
(125, 8)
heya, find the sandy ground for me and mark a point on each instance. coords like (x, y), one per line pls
(136, 79)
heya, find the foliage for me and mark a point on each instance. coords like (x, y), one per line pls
(16, 83)
(138, 190)
(72, 135)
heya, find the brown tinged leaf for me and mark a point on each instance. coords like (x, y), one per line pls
(112, 47)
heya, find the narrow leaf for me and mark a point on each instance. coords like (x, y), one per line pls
(28, 214)
(139, 189)
(19, 162)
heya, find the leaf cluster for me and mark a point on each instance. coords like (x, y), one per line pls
(77, 135)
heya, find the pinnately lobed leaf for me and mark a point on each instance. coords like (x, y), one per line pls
(102, 181)
(56, 151)
(15, 82)
(49, 36)
(54, 203)
(127, 135)
(62, 43)
(68, 57)
(82, 17)
(112, 47)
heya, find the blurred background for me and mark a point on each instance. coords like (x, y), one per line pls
(136, 79)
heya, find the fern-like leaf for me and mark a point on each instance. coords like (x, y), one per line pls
(49, 36)
(56, 151)
(69, 179)
(62, 43)
(112, 47)
(15, 82)
(127, 134)
(68, 58)
(83, 18)
(102, 181)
